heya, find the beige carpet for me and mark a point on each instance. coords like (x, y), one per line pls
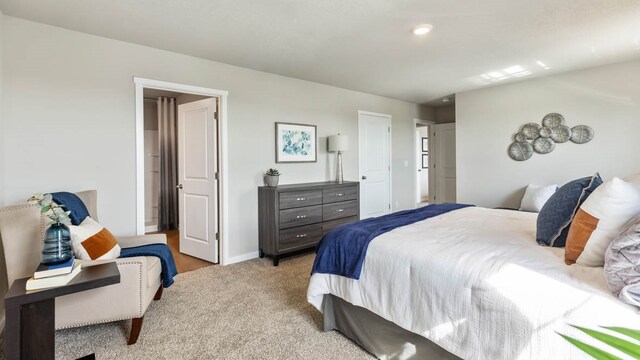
(249, 310)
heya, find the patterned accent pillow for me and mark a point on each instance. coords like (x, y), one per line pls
(92, 241)
(599, 220)
(557, 213)
(622, 263)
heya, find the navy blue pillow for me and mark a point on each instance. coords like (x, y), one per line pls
(71, 202)
(556, 215)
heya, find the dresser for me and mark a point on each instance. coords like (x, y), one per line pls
(295, 217)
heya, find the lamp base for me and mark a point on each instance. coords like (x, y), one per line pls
(339, 176)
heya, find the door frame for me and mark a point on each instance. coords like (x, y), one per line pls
(432, 189)
(221, 95)
(389, 118)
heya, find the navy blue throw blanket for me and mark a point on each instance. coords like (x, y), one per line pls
(71, 202)
(161, 251)
(342, 250)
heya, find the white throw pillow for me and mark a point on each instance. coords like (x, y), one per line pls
(536, 196)
(600, 220)
(92, 241)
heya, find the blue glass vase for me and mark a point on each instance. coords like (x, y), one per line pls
(57, 245)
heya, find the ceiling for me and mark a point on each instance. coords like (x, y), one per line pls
(367, 45)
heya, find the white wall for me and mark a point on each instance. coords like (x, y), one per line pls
(606, 98)
(70, 118)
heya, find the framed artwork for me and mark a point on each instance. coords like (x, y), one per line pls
(296, 143)
(425, 144)
(425, 161)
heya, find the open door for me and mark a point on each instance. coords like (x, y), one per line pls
(197, 176)
(444, 166)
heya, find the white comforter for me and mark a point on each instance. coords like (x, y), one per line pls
(475, 282)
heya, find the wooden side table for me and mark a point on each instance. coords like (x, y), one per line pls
(30, 315)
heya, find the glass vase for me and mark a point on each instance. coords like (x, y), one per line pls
(57, 245)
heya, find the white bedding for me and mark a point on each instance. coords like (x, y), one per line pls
(475, 282)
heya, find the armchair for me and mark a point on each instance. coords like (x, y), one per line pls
(22, 230)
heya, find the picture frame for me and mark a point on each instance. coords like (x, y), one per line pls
(296, 143)
(425, 161)
(425, 144)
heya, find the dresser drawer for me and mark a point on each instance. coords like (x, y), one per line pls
(330, 225)
(299, 237)
(339, 210)
(341, 193)
(300, 216)
(296, 199)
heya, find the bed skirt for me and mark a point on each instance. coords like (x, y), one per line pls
(378, 336)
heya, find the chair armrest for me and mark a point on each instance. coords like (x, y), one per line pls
(139, 240)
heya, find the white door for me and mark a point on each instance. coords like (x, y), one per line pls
(374, 144)
(444, 165)
(198, 188)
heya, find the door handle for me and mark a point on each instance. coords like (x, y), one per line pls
(364, 177)
(179, 186)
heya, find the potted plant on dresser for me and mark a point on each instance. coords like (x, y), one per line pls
(272, 177)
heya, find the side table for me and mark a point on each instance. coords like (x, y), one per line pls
(30, 315)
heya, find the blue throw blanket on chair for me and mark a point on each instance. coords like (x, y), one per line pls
(161, 251)
(342, 250)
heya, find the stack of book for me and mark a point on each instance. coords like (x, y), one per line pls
(49, 276)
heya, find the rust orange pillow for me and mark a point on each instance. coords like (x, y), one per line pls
(599, 220)
(92, 241)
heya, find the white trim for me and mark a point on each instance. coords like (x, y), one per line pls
(150, 228)
(241, 258)
(415, 159)
(389, 122)
(140, 85)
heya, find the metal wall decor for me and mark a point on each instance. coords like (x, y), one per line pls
(543, 138)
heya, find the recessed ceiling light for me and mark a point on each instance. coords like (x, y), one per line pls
(422, 29)
(446, 100)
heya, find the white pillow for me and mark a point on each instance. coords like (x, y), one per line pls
(536, 196)
(92, 241)
(600, 220)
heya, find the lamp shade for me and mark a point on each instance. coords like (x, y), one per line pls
(338, 142)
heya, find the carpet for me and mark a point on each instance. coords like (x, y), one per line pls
(250, 310)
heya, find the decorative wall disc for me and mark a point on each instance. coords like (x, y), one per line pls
(581, 134)
(520, 151)
(543, 145)
(531, 130)
(560, 134)
(552, 120)
(520, 137)
(545, 132)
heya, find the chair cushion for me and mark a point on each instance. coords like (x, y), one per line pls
(557, 213)
(599, 220)
(536, 196)
(92, 241)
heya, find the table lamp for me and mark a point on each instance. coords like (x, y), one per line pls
(339, 143)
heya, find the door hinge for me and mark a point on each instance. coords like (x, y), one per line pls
(389, 206)
(215, 115)
(388, 128)
(216, 176)
(217, 236)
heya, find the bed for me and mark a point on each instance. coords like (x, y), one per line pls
(471, 283)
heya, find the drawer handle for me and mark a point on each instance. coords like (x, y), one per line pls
(301, 199)
(301, 216)
(339, 194)
(340, 210)
(301, 235)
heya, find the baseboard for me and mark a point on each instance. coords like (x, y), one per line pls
(151, 228)
(241, 258)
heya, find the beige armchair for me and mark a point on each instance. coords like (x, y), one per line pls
(22, 230)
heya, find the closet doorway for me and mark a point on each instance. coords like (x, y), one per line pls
(180, 185)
